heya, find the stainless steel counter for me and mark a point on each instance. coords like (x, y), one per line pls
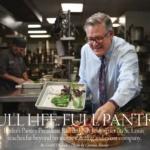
(20, 95)
(49, 137)
(20, 100)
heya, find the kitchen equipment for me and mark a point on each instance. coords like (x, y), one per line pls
(137, 34)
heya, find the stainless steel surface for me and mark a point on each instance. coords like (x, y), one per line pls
(52, 89)
(20, 95)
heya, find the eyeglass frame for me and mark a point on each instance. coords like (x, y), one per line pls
(98, 39)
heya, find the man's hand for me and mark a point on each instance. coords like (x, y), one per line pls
(13, 78)
(19, 80)
(29, 81)
(105, 113)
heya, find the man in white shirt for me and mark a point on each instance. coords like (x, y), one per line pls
(121, 67)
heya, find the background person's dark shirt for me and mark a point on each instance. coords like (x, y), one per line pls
(11, 64)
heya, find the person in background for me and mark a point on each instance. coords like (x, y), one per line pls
(109, 68)
(13, 70)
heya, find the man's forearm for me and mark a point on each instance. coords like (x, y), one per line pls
(12, 78)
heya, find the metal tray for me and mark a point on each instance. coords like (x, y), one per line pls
(52, 89)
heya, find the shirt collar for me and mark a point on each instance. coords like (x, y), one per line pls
(109, 52)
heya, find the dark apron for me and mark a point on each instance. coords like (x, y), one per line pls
(6, 85)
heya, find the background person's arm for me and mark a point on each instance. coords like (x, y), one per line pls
(12, 78)
(3, 69)
(26, 77)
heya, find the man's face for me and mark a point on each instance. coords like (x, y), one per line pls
(20, 51)
(99, 38)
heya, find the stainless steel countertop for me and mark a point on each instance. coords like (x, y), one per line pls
(20, 95)
(41, 138)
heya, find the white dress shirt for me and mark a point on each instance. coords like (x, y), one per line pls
(122, 72)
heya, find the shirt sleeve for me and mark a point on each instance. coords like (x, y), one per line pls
(82, 73)
(82, 68)
(128, 79)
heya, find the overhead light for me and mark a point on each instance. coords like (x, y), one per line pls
(34, 26)
(9, 21)
(37, 31)
(40, 36)
(113, 19)
(122, 20)
(73, 7)
(116, 25)
(51, 20)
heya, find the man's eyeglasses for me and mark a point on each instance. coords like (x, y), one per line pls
(98, 38)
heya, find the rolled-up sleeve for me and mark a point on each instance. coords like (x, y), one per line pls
(128, 80)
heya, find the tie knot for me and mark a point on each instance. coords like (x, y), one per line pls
(103, 58)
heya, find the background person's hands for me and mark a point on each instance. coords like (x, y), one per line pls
(19, 80)
(29, 81)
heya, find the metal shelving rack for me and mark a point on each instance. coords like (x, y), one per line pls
(69, 38)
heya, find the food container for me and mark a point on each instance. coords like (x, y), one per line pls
(53, 90)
